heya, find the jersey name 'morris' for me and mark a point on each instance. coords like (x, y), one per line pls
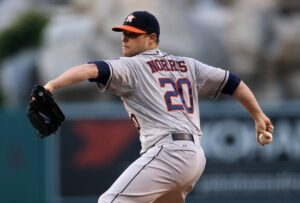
(167, 65)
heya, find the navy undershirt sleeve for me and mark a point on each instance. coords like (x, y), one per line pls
(103, 72)
(231, 85)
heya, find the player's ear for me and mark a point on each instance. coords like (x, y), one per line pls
(153, 37)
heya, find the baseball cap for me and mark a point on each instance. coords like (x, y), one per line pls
(139, 22)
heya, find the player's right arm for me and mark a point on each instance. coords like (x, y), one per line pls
(73, 75)
(211, 80)
(248, 100)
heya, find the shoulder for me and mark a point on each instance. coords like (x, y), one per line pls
(121, 61)
(189, 59)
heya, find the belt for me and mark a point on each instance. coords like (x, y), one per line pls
(183, 136)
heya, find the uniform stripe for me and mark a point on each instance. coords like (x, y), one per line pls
(166, 55)
(221, 86)
(137, 174)
(154, 54)
(111, 75)
(148, 54)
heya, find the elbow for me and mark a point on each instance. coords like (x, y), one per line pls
(239, 91)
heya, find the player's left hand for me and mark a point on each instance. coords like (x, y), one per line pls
(43, 112)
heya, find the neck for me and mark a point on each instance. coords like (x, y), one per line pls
(153, 46)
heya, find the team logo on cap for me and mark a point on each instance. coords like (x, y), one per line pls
(130, 18)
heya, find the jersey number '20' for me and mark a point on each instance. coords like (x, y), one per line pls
(179, 90)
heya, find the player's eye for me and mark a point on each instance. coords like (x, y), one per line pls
(131, 35)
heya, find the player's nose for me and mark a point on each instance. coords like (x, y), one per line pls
(124, 39)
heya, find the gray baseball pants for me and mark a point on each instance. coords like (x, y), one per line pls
(163, 174)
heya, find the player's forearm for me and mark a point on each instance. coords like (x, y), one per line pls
(246, 97)
(73, 75)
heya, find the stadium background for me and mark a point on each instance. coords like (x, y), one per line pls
(259, 40)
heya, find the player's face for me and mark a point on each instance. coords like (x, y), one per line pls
(134, 43)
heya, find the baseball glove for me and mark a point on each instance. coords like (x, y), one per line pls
(43, 112)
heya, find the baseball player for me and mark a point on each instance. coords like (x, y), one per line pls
(160, 92)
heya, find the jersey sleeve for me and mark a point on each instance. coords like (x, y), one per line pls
(104, 75)
(232, 83)
(210, 80)
(123, 79)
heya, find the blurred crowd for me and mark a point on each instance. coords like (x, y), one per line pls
(257, 39)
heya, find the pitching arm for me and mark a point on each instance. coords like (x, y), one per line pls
(245, 96)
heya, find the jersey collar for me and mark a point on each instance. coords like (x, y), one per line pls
(155, 51)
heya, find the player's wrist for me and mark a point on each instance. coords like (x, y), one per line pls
(259, 115)
(50, 87)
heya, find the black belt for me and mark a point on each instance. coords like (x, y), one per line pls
(183, 136)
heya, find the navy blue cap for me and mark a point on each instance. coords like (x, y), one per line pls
(139, 22)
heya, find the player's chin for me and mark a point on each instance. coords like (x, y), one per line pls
(125, 51)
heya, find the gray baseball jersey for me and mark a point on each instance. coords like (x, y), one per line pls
(160, 92)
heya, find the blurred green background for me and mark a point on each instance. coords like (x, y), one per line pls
(258, 40)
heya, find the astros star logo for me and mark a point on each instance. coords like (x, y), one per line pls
(129, 18)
